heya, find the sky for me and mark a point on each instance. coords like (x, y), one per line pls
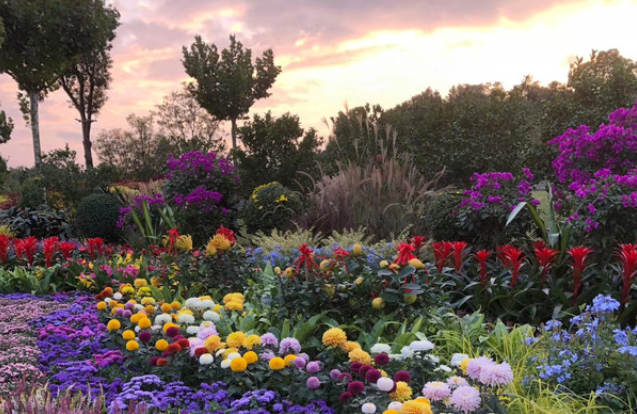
(335, 53)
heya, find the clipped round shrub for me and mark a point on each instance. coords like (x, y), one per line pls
(271, 206)
(97, 216)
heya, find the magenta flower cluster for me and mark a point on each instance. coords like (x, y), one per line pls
(156, 200)
(498, 188)
(199, 197)
(197, 163)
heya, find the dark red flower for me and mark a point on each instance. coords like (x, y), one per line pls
(363, 370)
(482, 256)
(172, 331)
(173, 348)
(355, 366)
(153, 361)
(184, 343)
(545, 257)
(628, 256)
(381, 360)
(162, 362)
(356, 387)
(403, 376)
(580, 256)
(345, 396)
(145, 337)
(344, 376)
(200, 351)
(442, 251)
(372, 376)
(5, 244)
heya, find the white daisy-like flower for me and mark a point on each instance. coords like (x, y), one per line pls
(211, 316)
(381, 349)
(117, 296)
(192, 330)
(433, 359)
(406, 352)
(443, 368)
(421, 345)
(198, 305)
(456, 359)
(225, 363)
(185, 318)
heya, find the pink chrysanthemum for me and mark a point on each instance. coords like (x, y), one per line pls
(465, 399)
(496, 374)
(436, 391)
(476, 365)
(456, 381)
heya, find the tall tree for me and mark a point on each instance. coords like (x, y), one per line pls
(187, 125)
(6, 124)
(87, 80)
(228, 85)
(42, 38)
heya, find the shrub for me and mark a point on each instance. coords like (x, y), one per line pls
(201, 188)
(42, 222)
(270, 207)
(32, 194)
(439, 220)
(97, 216)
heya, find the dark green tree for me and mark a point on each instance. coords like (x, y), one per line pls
(227, 85)
(87, 80)
(276, 149)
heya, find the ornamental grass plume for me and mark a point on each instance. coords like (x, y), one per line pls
(579, 257)
(628, 257)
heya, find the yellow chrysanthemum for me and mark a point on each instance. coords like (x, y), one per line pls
(415, 407)
(423, 400)
(112, 304)
(113, 325)
(234, 306)
(277, 364)
(148, 301)
(150, 309)
(464, 364)
(251, 357)
(234, 297)
(155, 281)
(334, 337)
(349, 346)
(132, 346)
(289, 359)
(235, 339)
(166, 308)
(229, 351)
(390, 412)
(176, 305)
(101, 305)
(136, 317)
(402, 392)
(251, 341)
(161, 345)
(144, 323)
(239, 364)
(358, 355)
(213, 344)
(128, 335)
(140, 283)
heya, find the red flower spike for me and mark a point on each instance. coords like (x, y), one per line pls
(227, 233)
(50, 247)
(482, 256)
(628, 257)
(512, 257)
(341, 254)
(442, 251)
(417, 242)
(404, 254)
(95, 247)
(545, 257)
(5, 244)
(579, 255)
(458, 250)
(306, 260)
(173, 235)
(67, 249)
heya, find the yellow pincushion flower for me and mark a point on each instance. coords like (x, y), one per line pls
(101, 305)
(358, 355)
(176, 305)
(234, 297)
(136, 317)
(334, 337)
(213, 343)
(234, 306)
(150, 309)
(144, 323)
(140, 283)
(251, 357)
(112, 304)
(155, 281)
(289, 359)
(148, 301)
(239, 364)
(423, 400)
(128, 335)
(132, 346)
(207, 297)
(166, 308)
(251, 341)
(235, 339)
(277, 364)
(390, 412)
(464, 364)
(128, 290)
(402, 393)
(161, 345)
(357, 250)
(113, 311)
(349, 346)
(415, 407)
(113, 325)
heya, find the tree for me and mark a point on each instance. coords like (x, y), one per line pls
(87, 80)
(6, 124)
(139, 153)
(42, 38)
(186, 125)
(228, 85)
(276, 149)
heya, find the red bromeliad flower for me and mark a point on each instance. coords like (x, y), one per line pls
(442, 251)
(5, 244)
(306, 260)
(95, 247)
(482, 256)
(341, 254)
(67, 249)
(50, 247)
(628, 256)
(579, 255)
(545, 257)
(512, 257)
(227, 233)
(417, 242)
(458, 249)
(25, 247)
(404, 254)
(173, 235)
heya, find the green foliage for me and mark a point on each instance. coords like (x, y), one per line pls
(21, 279)
(277, 149)
(439, 220)
(32, 194)
(228, 85)
(348, 237)
(41, 223)
(270, 207)
(285, 241)
(97, 216)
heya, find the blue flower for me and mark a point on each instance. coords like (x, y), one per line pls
(552, 324)
(604, 304)
(620, 337)
(632, 350)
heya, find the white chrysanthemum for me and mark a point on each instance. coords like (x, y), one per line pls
(117, 296)
(207, 304)
(185, 318)
(163, 318)
(456, 359)
(198, 305)
(233, 355)
(206, 359)
(406, 352)
(385, 384)
(369, 408)
(211, 316)
(433, 359)
(443, 368)
(107, 300)
(139, 306)
(225, 363)
(381, 349)
(421, 345)
(220, 352)
(396, 405)
(190, 302)
(192, 330)
(395, 357)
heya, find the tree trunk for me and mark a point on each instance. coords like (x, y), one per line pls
(35, 127)
(234, 135)
(86, 140)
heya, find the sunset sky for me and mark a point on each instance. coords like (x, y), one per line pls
(336, 52)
